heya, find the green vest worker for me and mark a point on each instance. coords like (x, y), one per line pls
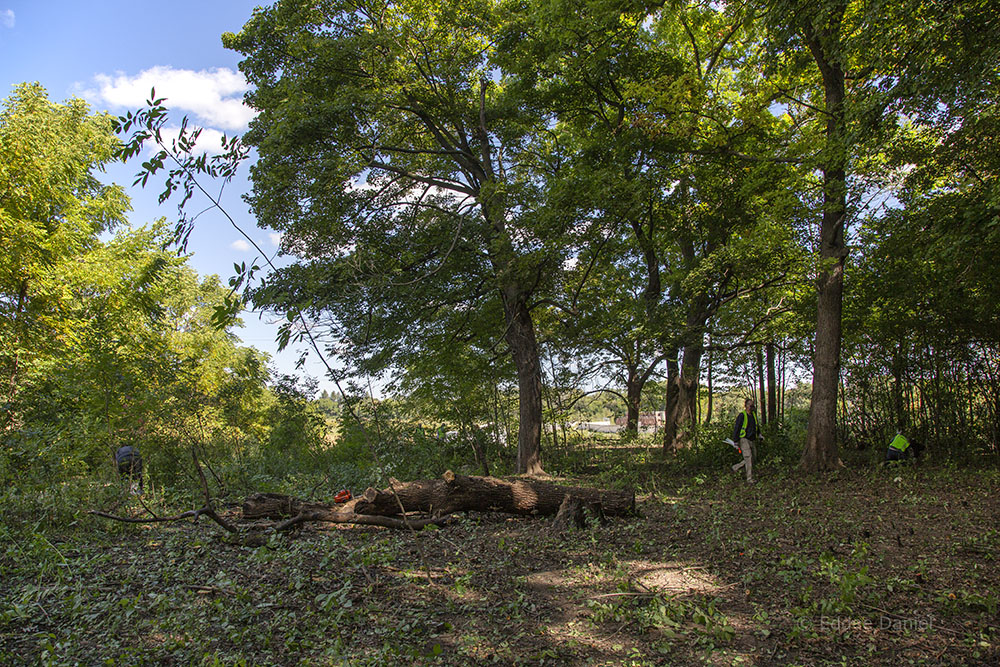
(745, 434)
(901, 449)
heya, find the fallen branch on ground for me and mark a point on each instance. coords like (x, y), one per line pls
(207, 509)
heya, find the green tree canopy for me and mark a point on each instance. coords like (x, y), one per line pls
(52, 208)
(413, 185)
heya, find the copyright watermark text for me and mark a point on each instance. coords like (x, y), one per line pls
(843, 624)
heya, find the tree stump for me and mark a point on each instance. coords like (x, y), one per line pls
(570, 514)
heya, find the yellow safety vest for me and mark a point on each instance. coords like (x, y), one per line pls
(900, 443)
(743, 428)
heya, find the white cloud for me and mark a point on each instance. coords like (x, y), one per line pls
(275, 238)
(240, 245)
(213, 97)
(7, 18)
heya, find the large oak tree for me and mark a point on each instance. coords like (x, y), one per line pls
(411, 187)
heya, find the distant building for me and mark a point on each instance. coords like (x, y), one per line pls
(646, 419)
(597, 427)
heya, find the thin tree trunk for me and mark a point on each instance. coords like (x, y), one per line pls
(697, 398)
(15, 368)
(820, 452)
(496, 417)
(470, 431)
(547, 395)
(670, 404)
(897, 386)
(708, 408)
(843, 409)
(782, 354)
(772, 395)
(763, 388)
(559, 405)
(633, 399)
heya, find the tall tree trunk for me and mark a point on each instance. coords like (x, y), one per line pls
(524, 350)
(633, 399)
(670, 404)
(552, 421)
(898, 362)
(772, 393)
(782, 367)
(501, 441)
(559, 403)
(820, 452)
(708, 408)
(760, 383)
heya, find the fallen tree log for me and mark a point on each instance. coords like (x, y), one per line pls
(458, 493)
(451, 493)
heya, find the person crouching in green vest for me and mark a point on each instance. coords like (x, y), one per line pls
(901, 449)
(745, 434)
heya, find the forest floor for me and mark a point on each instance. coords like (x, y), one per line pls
(874, 566)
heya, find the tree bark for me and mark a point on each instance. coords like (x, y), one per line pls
(684, 415)
(772, 394)
(451, 493)
(670, 405)
(820, 452)
(524, 350)
(456, 493)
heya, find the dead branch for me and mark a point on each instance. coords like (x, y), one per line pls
(206, 511)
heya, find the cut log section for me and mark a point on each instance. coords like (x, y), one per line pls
(277, 506)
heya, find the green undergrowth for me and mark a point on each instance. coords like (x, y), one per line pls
(875, 565)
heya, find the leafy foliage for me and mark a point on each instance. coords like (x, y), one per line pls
(109, 339)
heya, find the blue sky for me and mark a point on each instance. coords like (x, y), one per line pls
(110, 53)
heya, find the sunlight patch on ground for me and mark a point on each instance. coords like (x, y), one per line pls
(548, 580)
(674, 578)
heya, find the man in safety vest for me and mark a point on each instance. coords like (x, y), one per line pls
(901, 449)
(745, 433)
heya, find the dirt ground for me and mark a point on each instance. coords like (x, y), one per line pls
(880, 567)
